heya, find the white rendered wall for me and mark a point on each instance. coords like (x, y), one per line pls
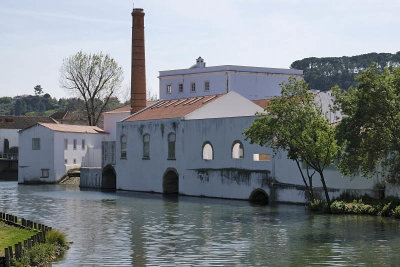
(30, 161)
(136, 173)
(69, 154)
(11, 135)
(215, 178)
(110, 123)
(249, 84)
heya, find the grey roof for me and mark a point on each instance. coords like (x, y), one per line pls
(22, 122)
(231, 68)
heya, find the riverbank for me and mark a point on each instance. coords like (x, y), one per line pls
(26, 243)
(365, 205)
(10, 235)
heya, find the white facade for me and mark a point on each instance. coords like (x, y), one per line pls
(251, 82)
(58, 152)
(110, 122)
(223, 176)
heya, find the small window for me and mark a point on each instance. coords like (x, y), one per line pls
(193, 87)
(146, 146)
(171, 146)
(35, 143)
(180, 88)
(65, 144)
(123, 147)
(237, 150)
(208, 153)
(206, 86)
(65, 161)
(45, 173)
(74, 161)
(83, 144)
(169, 89)
(75, 144)
(261, 157)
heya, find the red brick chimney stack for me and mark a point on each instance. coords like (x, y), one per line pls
(138, 70)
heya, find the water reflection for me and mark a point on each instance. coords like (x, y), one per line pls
(148, 229)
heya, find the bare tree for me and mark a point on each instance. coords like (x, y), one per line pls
(93, 77)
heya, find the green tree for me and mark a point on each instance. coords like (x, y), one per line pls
(294, 122)
(95, 78)
(370, 128)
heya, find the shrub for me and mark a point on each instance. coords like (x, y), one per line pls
(396, 212)
(338, 207)
(56, 238)
(318, 205)
(386, 210)
(37, 255)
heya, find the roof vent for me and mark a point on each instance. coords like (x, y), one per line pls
(199, 63)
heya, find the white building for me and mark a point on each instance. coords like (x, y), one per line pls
(9, 127)
(195, 146)
(199, 80)
(48, 151)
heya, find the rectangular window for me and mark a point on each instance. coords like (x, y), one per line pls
(74, 161)
(261, 157)
(169, 88)
(65, 144)
(83, 144)
(45, 173)
(180, 88)
(65, 161)
(123, 147)
(75, 143)
(171, 146)
(193, 87)
(146, 146)
(207, 86)
(35, 143)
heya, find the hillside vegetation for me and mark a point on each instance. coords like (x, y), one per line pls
(326, 72)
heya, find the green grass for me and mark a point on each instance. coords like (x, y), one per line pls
(10, 235)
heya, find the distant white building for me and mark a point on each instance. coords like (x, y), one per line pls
(48, 151)
(9, 127)
(199, 80)
(195, 146)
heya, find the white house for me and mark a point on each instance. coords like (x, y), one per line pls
(195, 146)
(199, 80)
(48, 151)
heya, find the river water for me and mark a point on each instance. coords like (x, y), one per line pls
(139, 229)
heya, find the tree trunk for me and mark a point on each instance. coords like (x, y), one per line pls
(328, 200)
(305, 182)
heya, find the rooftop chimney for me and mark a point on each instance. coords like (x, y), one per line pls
(138, 71)
(199, 63)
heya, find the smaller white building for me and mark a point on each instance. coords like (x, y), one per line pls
(47, 151)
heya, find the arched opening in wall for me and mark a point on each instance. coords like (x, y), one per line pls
(109, 178)
(207, 151)
(171, 182)
(237, 150)
(6, 146)
(259, 197)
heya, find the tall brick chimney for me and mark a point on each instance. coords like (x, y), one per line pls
(138, 70)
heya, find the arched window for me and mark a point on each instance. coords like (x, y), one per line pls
(171, 145)
(208, 153)
(237, 150)
(146, 146)
(123, 146)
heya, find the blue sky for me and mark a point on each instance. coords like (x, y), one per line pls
(36, 35)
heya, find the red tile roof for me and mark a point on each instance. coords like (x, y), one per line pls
(127, 108)
(69, 128)
(22, 122)
(174, 108)
(261, 102)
